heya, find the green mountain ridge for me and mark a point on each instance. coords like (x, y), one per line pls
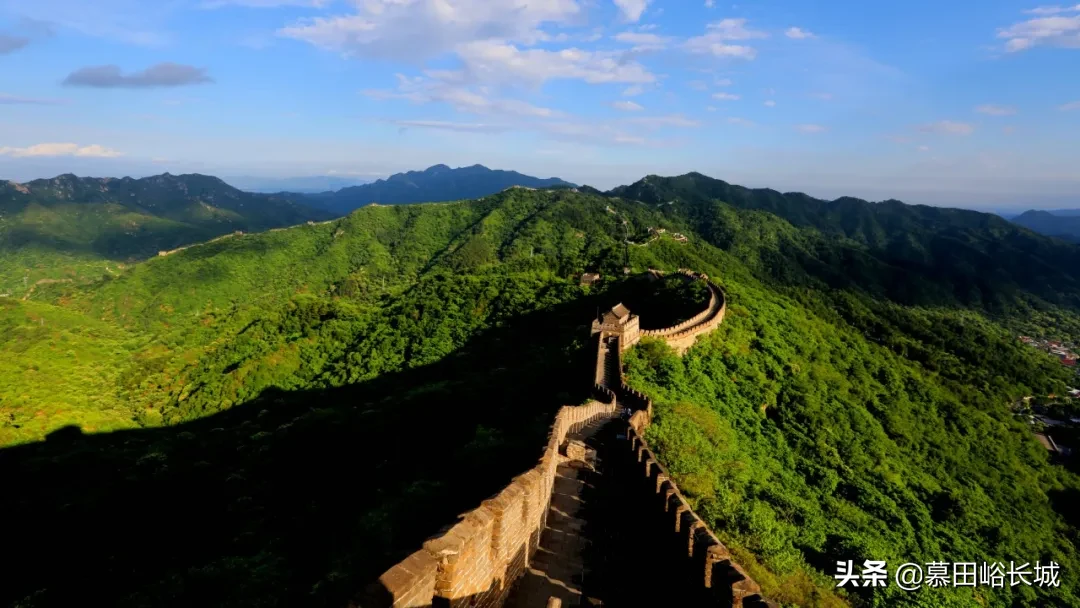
(307, 405)
(912, 254)
(79, 228)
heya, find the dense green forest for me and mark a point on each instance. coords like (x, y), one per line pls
(297, 410)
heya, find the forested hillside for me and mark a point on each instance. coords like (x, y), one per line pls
(911, 254)
(79, 228)
(316, 401)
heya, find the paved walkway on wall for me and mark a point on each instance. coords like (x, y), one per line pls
(565, 564)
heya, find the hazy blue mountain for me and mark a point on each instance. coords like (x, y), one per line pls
(435, 184)
(1064, 223)
(311, 184)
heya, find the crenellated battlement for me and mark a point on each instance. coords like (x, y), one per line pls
(476, 561)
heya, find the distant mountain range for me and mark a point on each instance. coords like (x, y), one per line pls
(435, 184)
(1062, 223)
(312, 184)
(69, 225)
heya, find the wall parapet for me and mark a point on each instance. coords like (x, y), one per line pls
(683, 335)
(475, 561)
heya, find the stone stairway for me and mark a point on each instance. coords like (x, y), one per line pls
(563, 566)
(610, 352)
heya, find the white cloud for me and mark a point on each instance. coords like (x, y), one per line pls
(995, 110)
(742, 122)
(924, 148)
(1053, 10)
(631, 10)
(948, 127)
(51, 149)
(499, 62)
(724, 82)
(1049, 29)
(643, 41)
(710, 3)
(796, 33)
(698, 85)
(212, 4)
(421, 29)
(770, 103)
(1072, 105)
(443, 125)
(656, 122)
(822, 96)
(810, 129)
(719, 34)
(633, 91)
(627, 106)
(441, 87)
(725, 96)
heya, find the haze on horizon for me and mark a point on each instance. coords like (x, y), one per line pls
(963, 104)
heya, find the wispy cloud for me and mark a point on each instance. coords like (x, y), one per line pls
(1053, 10)
(742, 122)
(213, 4)
(718, 37)
(770, 103)
(656, 122)
(810, 129)
(443, 125)
(948, 127)
(10, 44)
(65, 149)
(6, 99)
(446, 87)
(627, 106)
(160, 75)
(726, 96)
(1072, 105)
(995, 110)
(796, 33)
(1050, 27)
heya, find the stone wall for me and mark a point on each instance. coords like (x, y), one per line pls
(682, 336)
(475, 562)
(708, 568)
(709, 574)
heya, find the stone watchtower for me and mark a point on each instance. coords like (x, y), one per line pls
(618, 322)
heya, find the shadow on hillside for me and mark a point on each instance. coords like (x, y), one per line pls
(296, 498)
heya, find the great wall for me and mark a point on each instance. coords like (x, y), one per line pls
(599, 521)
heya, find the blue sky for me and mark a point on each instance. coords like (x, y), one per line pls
(960, 103)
